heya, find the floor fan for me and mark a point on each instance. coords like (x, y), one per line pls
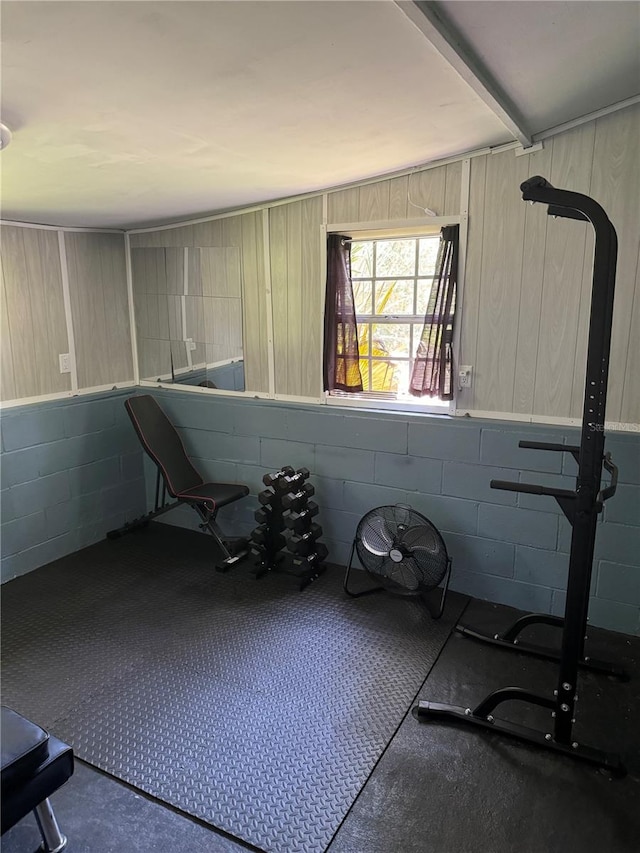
(402, 551)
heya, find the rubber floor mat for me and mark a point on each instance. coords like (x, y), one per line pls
(252, 706)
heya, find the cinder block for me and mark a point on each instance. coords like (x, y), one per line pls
(564, 535)
(500, 447)
(19, 466)
(625, 452)
(340, 463)
(92, 416)
(447, 441)
(97, 530)
(540, 567)
(338, 552)
(126, 498)
(558, 602)
(502, 591)
(38, 425)
(618, 543)
(275, 453)
(450, 515)
(339, 526)
(7, 507)
(265, 421)
(251, 476)
(614, 615)
(362, 497)
(68, 516)
(329, 493)
(362, 432)
(23, 533)
(69, 453)
(191, 412)
(95, 476)
(485, 556)
(624, 506)
(40, 493)
(414, 473)
(521, 526)
(40, 555)
(216, 472)
(462, 480)
(617, 582)
(218, 446)
(131, 466)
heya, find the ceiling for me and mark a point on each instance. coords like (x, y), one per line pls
(130, 113)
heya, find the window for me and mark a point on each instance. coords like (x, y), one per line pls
(392, 280)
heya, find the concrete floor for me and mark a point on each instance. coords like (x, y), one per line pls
(438, 788)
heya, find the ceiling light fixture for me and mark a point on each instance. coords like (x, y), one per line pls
(5, 136)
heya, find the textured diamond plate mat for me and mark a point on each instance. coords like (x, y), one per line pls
(252, 706)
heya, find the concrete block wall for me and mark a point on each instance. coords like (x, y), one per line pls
(508, 548)
(70, 470)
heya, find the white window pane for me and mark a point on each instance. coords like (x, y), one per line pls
(428, 253)
(424, 291)
(361, 260)
(395, 257)
(394, 297)
(390, 339)
(362, 296)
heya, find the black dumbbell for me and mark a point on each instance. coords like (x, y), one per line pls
(299, 521)
(306, 543)
(297, 500)
(272, 479)
(271, 539)
(292, 482)
(269, 498)
(267, 515)
(312, 559)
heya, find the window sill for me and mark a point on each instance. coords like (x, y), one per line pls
(349, 401)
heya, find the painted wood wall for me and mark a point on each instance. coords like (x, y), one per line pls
(528, 276)
(99, 308)
(35, 328)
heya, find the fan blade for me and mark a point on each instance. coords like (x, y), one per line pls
(421, 536)
(405, 575)
(377, 538)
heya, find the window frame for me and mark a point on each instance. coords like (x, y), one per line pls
(390, 231)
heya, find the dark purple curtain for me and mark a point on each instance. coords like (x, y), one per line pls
(341, 354)
(432, 373)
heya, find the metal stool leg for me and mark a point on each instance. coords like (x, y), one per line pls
(53, 841)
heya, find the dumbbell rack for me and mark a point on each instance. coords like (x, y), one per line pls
(286, 521)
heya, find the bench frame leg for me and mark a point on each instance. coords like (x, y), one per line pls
(53, 841)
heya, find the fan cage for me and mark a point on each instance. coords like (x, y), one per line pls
(401, 549)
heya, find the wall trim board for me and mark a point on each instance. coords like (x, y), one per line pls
(576, 122)
(65, 395)
(132, 313)
(614, 426)
(266, 257)
(66, 295)
(363, 229)
(217, 392)
(62, 228)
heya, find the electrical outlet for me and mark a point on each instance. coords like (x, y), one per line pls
(65, 362)
(465, 374)
(190, 344)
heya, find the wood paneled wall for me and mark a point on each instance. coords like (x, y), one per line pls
(245, 233)
(99, 308)
(34, 322)
(34, 331)
(297, 296)
(528, 279)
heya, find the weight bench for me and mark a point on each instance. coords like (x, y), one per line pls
(34, 765)
(179, 479)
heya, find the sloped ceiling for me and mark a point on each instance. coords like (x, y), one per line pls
(127, 113)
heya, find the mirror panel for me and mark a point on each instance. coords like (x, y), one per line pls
(188, 313)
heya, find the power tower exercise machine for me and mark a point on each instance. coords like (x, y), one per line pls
(581, 507)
